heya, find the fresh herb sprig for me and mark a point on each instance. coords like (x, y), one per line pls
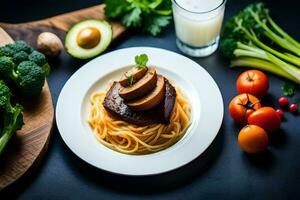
(149, 15)
(288, 89)
(141, 61)
(130, 79)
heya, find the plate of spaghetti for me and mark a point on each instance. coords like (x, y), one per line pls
(139, 111)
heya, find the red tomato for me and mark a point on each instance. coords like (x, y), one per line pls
(266, 118)
(253, 82)
(242, 106)
(253, 139)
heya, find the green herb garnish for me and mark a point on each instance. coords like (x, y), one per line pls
(141, 61)
(288, 89)
(130, 79)
(149, 15)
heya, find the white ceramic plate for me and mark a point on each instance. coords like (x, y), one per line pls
(73, 105)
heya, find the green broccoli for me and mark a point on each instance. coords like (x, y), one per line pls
(30, 78)
(19, 57)
(6, 51)
(40, 60)
(6, 66)
(12, 117)
(24, 67)
(20, 46)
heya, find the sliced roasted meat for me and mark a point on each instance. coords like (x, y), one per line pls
(140, 88)
(135, 74)
(151, 99)
(116, 106)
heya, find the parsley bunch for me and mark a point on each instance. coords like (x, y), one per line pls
(149, 15)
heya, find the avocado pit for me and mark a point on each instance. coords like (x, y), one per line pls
(88, 37)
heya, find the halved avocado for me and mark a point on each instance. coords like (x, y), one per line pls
(88, 38)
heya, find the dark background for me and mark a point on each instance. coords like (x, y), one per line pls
(222, 172)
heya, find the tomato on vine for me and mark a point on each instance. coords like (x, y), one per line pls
(242, 106)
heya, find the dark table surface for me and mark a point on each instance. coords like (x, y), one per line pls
(222, 172)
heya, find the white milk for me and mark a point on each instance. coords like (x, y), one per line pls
(198, 22)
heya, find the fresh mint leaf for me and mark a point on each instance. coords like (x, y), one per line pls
(155, 23)
(115, 8)
(141, 60)
(133, 18)
(288, 89)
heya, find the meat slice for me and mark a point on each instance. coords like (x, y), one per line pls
(136, 73)
(116, 106)
(150, 100)
(140, 88)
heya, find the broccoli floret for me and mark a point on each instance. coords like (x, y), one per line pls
(19, 46)
(5, 95)
(30, 78)
(6, 66)
(26, 68)
(38, 58)
(11, 49)
(11, 115)
(20, 57)
(6, 51)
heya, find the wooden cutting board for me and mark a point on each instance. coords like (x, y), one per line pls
(29, 144)
(31, 141)
(59, 25)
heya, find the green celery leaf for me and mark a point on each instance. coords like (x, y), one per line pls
(155, 23)
(155, 3)
(150, 15)
(115, 8)
(133, 18)
(162, 12)
(288, 89)
(165, 5)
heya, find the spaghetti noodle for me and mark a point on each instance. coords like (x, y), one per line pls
(132, 139)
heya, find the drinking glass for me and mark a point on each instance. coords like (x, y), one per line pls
(198, 24)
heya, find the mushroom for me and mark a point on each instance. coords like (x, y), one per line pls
(140, 88)
(151, 99)
(49, 44)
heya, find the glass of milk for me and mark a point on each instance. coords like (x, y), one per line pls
(198, 24)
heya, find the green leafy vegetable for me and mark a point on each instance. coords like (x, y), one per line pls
(150, 16)
(288, 89)
(11, 116)
(253, 39)
(141, 61)
(24, 67)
